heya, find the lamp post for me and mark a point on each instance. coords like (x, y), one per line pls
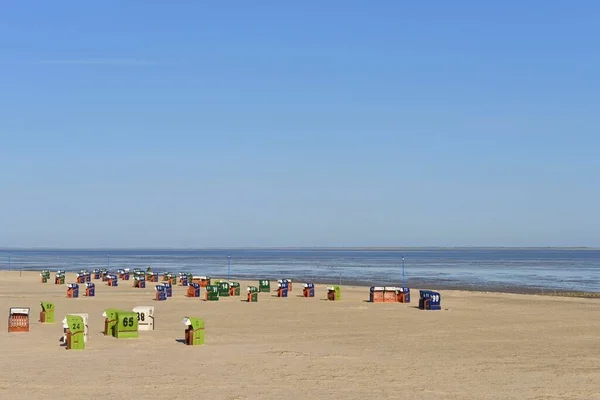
(403, 283)
(228, 267)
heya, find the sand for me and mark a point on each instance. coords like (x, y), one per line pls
(480, 346)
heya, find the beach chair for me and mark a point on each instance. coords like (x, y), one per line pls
(429, 300)
(193, 290)
(288, 281)
(139, 281)
(376, 294)
(145, 317)
(403, 295)
(194, 332)
(389, 294)
(47, 313)
(44, 276)
(110, 319)
(264, 285)
(211, 293)
(127, 325)
(308, 290)
(223, 288)
(168, 289)
(74, 327)
(334, 293)
(18, 319)
(161, 293)
(90, 289)
(204, 281)
(85, 318)
(282, 288)
(184, 278)
(59, 278)
(234, 288)
(112, 280)
(252, 294)
(72, 290)
(124, 274)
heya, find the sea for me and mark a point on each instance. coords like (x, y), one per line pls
(487, 269)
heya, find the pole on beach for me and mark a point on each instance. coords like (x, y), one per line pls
(108, 265)
(228, 267)
(340, 279)
(9, 261)
(403, 283)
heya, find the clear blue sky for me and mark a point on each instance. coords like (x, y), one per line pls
(280, 123)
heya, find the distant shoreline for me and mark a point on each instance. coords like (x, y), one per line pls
(315, 248)
(414, 284)
(458, 268)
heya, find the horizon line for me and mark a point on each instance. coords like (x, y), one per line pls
(379, 248)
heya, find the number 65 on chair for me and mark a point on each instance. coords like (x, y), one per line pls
(127, 325)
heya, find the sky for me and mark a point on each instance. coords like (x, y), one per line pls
(191, 124)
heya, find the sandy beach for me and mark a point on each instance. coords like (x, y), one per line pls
(480, 346)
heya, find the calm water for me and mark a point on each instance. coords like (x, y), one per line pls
(439, 268)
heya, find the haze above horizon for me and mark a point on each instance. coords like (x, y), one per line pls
(278, 125)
